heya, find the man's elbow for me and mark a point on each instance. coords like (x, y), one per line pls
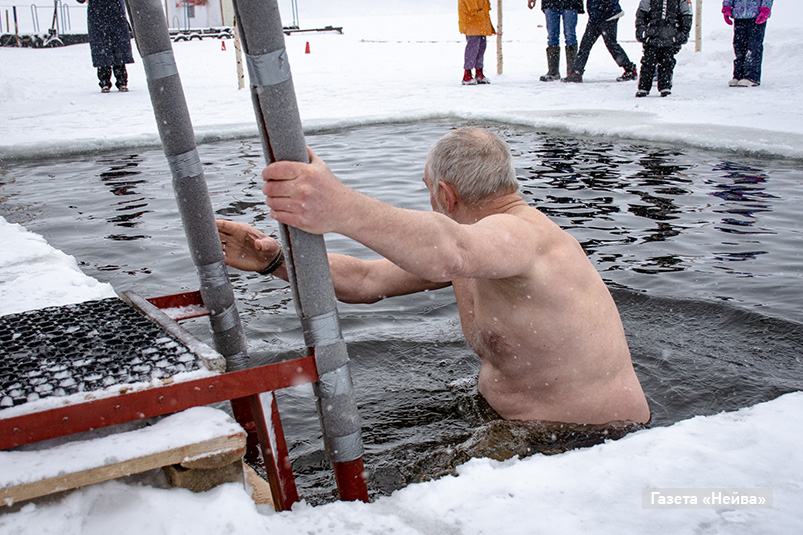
(450, 267)
(353, 298)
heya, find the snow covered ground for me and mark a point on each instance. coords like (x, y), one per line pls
(391, 65)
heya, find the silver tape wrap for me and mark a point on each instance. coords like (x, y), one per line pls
(268, 69)
(160, 65)
(185, 165)
(344, 449)
(337, 407)
(321, 330)
(213, 275)
(335, 383)
(237, 361)
(323, 333)
(228, 319)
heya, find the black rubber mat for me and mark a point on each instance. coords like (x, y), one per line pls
(91, 346)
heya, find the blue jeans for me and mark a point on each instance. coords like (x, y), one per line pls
(748, 45)
(553, 17)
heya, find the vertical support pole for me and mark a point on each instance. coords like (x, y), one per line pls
(189, 184)
(16, 26)
(277, 465)
(279, 123)
(178, 140)
(499, 59)
(238, 54)
(698, 26)
(296, 20)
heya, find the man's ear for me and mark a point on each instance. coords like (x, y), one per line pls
(448, 196)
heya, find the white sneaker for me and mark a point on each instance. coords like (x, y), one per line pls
(733, 83)
(747, 83)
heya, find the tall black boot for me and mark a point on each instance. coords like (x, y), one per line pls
(121, 75)
(105, 77)
(571, 56)
(553, 64)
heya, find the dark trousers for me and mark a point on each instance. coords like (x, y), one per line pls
(120, 74)
(748, 45)
(664, 58)
(607, 29)
(475, 51)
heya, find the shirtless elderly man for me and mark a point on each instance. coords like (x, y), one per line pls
(531, 304)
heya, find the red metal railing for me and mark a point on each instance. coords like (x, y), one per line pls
(242, 388)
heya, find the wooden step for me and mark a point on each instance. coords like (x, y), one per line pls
(200, 438)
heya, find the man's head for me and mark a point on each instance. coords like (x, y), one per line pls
(475, 161)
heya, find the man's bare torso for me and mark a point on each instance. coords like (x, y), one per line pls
(551, 341)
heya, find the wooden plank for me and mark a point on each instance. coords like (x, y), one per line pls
(177, 455)
(261, 492)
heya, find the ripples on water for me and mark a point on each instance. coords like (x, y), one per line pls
(702, 251)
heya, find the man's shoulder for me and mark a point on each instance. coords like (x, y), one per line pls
(521, 217)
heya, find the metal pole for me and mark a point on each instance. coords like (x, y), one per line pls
(698, 26)
(499, 61)
(296, 21)
(282, 136)
(195, 207)
(192, 196)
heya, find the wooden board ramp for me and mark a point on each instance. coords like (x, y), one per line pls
(201, 448)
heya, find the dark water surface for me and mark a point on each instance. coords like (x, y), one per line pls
(702, 252)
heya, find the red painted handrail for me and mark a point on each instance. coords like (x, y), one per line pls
(157, 401)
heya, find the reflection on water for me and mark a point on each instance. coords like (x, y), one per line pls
(673, 221)
(703, 253)
(745, 198)
(122, 178)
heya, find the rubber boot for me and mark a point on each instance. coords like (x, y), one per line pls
(553, 64)
(571, 56)
(468, 78)
(480, 77)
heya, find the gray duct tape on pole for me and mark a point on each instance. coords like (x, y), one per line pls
(279, 124)
(189, 184)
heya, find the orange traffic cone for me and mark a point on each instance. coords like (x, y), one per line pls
(223, 45)
(306, 51)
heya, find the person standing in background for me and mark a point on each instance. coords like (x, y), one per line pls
(603, 20)
(662, 26)
(748, 18)
(554, 11)
(475, 23)
(109, 41)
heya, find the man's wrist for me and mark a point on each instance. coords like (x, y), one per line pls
(273, 265)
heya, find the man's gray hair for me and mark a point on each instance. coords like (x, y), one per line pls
(476, 162)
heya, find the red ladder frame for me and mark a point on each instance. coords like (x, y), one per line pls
(242, 388)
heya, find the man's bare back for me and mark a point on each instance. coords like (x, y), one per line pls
(551, 341)
(531, 304)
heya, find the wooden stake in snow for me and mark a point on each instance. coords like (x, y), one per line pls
(238, 52)
(499, 60)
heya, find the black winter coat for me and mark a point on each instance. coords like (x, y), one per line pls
(109, 34)
(662, 23)
(563, 4)
(602, 10)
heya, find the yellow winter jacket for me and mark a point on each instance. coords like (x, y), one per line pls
(474, 17)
